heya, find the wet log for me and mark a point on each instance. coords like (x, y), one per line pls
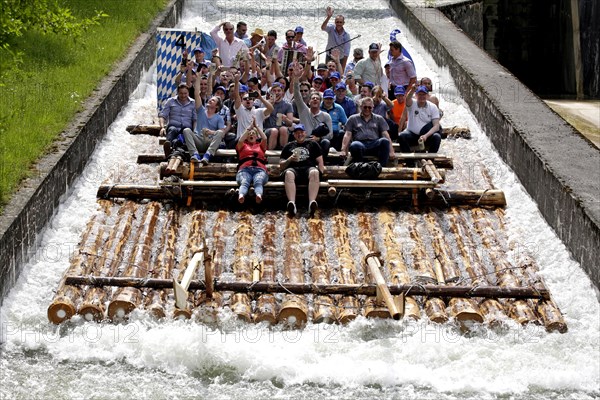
(294, 310)
(348, 305)
(266, 304)
(435, 308)
(92, 306)
(68, 297)
(383, 293)
(397, 269)
(362, 289)
(375, 306)
(242, 265)
(431, 171)
(465, 311)
(125, 300)
(492, 310)
(209, 306)
(519, 310)
(323, 307)
(165, 260)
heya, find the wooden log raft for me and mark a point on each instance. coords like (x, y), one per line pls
(294, 310)
(266, 304)
(242, 265)
(434, 306)
(519, 310)
(125, 300)
(493, 312)
(165, 260)
(346, 269)
(68, 297)
(398, 271)
(465, 311)
(323, 307)
(92, 306)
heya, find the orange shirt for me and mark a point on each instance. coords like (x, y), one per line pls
(397, 110)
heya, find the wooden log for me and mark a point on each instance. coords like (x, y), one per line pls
(92, 306)
(323, 306)
(492, 310)
(68, 297)
(431, 171)
(519, 310)
(294, 310)
(216, 171)
(383, 293)
(266, 304)
(361, 289)
(209, 307)
(347, 271)
(153, 130)
(439, 160)
(465, 311)
(397, 269)
(125, 300)
(374, 184)
(165, 260)
(434, 307)
(242, 265)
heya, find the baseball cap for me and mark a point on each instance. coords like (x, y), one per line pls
(299, 127)
(373, 47)
(318, 77)
(369, 84)
(328, 94)
(399, 90)
(198, 49)
(422, 89)
(340, 85)
(243, 89)
(299, 29)
(321, 66)
(335, 75)
(358, 52)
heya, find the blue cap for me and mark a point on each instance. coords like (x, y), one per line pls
(299, 127)
(319, 77)
(328, 94)
(422, 89)
(335, 75)
(340, 85)
(369, 84)
(399, 90)
(299, 29)
(277, 84)
(220, 88)
(198, 49)
(243, 89)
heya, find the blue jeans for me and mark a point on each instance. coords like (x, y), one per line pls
(407, 139)
(379, 148)
(255, 175)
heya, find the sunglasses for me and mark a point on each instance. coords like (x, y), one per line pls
(228, 30)
(290, 37)
(305, 90)
(367, 107)
(246, 98)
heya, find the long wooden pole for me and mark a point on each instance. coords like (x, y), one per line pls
(320, 289)
(383, 292)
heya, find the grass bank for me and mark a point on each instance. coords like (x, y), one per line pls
(56, 76)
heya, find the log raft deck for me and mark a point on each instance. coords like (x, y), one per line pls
(412, 249)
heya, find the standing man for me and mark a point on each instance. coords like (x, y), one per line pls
(337, 36)
(369, 69)
(423, 122)
(402, 70)
(230, 46)
(178, 115)
(241, 30)
(301, 161)
(367, 133)
(244, 108)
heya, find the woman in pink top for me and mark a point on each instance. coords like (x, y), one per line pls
(252, 162)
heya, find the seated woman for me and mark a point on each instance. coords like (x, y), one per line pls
(252, 162)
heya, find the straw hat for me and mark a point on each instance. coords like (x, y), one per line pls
(258, 32)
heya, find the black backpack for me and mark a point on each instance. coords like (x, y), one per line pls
(364, 170)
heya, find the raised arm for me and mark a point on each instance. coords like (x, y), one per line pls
(329, 13)
(267, 104)
(237, 101)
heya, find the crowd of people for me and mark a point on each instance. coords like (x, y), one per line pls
(254, 94)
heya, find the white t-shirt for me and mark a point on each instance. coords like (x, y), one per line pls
(418, 117)
(244, 118)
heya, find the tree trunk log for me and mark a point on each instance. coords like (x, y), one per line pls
(266, 305)
(242, 265)
(323, 307)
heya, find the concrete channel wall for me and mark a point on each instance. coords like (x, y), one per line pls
(556, 165)
(36, 202)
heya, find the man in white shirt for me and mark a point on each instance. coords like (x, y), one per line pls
(230, 46)
(369, 69)
(244, 108)
(423, 122)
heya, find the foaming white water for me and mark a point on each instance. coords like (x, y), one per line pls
(179, 359)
